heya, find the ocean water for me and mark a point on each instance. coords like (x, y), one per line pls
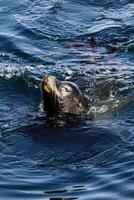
(86, 158)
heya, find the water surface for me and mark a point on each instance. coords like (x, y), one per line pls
(90, 157)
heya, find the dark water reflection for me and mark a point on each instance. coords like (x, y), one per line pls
(66, 158)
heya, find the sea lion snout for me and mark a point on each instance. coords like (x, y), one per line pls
(49, 80)
(50, 84)
(45, 79)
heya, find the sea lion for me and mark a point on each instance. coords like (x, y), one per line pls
(61, 96)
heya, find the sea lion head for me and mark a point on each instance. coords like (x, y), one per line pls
(61, 96)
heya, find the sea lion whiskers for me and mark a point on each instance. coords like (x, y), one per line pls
(55, 97)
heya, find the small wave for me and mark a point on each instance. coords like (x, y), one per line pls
(102, 26)
(104, 89)
(123, 14)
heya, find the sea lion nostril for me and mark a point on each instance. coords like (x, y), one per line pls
(45, 80)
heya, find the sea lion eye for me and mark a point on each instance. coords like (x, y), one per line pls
(67, 89)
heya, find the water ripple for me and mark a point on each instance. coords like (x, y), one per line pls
(90, 43)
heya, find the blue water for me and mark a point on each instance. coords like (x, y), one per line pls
(90, 157)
